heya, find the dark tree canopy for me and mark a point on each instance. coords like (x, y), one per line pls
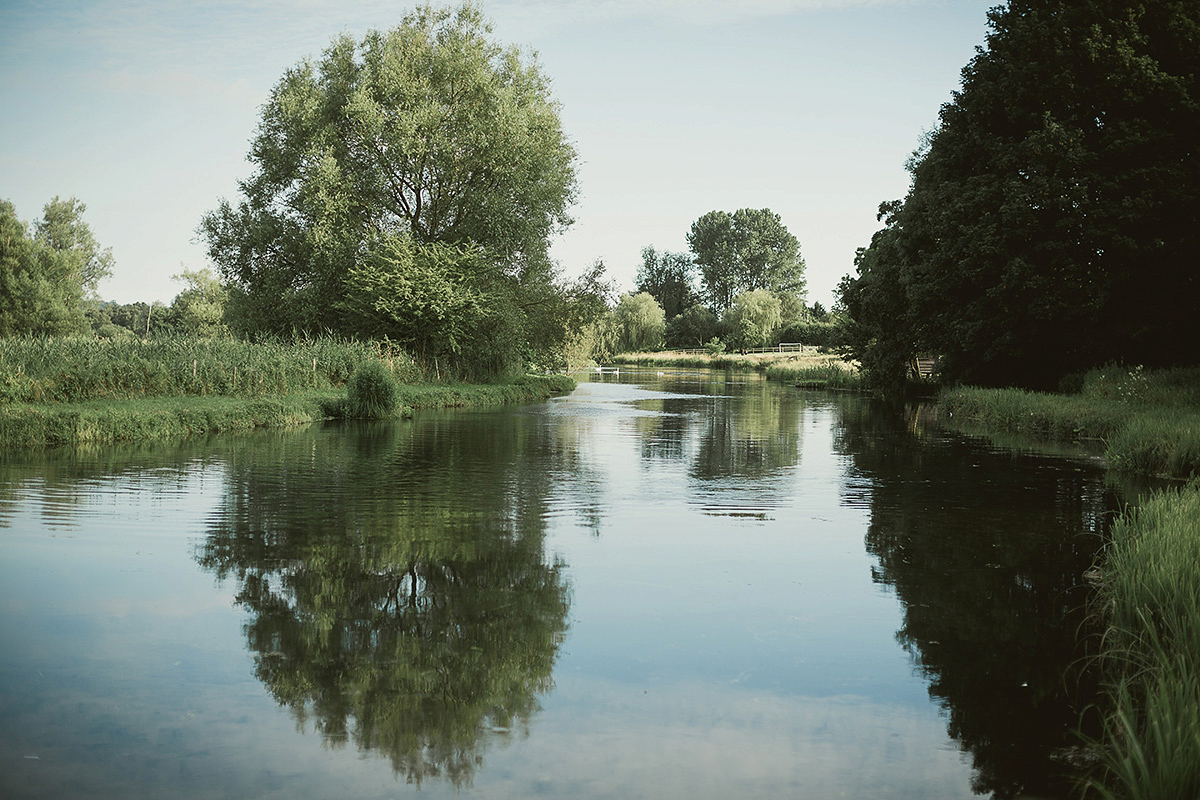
(1054, 216)
(430, 132)
(667, 276)
(743, 251)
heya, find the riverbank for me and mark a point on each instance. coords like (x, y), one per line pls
(63, 391)
(808, 370)
(1149, 422)
(179, 417)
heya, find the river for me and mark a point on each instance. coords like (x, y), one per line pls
(682, 585)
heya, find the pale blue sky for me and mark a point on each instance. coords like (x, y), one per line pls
(143, 109)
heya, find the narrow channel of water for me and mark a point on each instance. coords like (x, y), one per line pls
(691, 584)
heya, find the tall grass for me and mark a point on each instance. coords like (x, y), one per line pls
(815, 371)
(74, 370)
(832, 374)
(1148, 420)
(1151, 600)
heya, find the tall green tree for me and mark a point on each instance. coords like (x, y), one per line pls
(754, 319)
(47, 273)
(638, 323)
(430, 130)
(694, 327)
(1054, 215)
(746, 250)
(199, 309)
(667, 276)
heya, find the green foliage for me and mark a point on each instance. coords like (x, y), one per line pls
(829, 335)
(695, 326)
(199, 310)
(1148, 419)
(746, 250)
(45, 276)
(833, 374)
(754, 319)
(63, 230)
(424, 136)
(667, 276)
(715, 347)
(638, 323)
(73, 370)
(1050, 226)
(1152, 650)
(372, 392)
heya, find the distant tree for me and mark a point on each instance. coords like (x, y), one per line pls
(638, 323)
(695, 327)
(62, 229)
(746, 250)
(46, 275)
(818, 312)
(199, 309)
(754, 319)
(667, 276)
(1053, 217)
(430, 131)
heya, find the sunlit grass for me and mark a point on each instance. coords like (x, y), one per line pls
(814, 370)
(73, 370)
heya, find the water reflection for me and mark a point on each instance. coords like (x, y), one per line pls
(397, 586)
(987, 553)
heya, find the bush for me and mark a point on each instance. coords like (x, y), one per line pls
(372, 392)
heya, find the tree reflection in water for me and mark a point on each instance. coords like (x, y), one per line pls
(988, 554)
(398, 590)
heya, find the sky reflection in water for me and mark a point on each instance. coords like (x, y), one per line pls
(654, 590)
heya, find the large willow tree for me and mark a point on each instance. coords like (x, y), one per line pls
(429, 134)
(1053, 219)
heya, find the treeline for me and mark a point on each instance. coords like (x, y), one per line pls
(741, 286)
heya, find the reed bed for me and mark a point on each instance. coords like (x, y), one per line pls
(1149, 598)
(832, 373)
(167, 418)
(809, 371)
(1149, 421)
(76, 370)
(1037, 414)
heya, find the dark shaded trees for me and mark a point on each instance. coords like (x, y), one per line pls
(1054, 215)
(667, 276)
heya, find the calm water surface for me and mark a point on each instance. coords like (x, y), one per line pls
(688, 585)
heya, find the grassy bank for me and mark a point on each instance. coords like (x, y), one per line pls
(76, 370)
(167, 418)
(1152, 651)
(808, 371)
(1149, 422)
(62, 391)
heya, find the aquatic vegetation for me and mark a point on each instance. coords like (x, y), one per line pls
(372, 392)
(1152, 651)
(78, 369)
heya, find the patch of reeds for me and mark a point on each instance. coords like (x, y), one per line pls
(813, 371)
(1158, 441)
(76, 370)
(1148, 420)
(1051, 417)
(833, 374)
(1149, 598)
(167, 418)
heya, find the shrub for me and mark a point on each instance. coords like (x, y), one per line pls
(372, 392)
